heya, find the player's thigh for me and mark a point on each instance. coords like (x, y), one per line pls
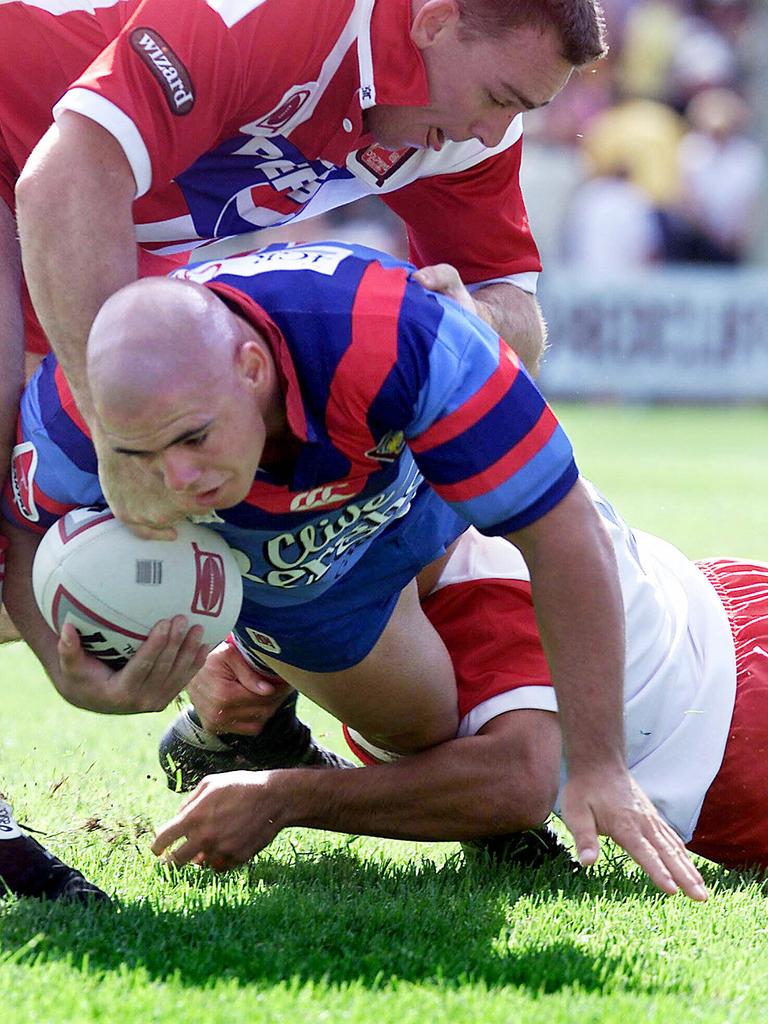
(402, 695)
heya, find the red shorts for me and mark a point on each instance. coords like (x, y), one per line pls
(733, 824)
(489, 628)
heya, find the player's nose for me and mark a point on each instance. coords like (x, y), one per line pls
(492, 128)
(180, 471)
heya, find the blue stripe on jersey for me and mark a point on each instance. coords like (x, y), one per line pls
(460, 362)
(488, 440)
(58, 475)
(62, 431)
(551, 497)
(544, 481)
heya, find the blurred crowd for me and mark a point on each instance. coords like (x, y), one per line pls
(656, 154)
(670, 159)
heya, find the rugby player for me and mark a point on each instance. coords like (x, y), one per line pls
(227, 117)
(696, 719)
(340, 427)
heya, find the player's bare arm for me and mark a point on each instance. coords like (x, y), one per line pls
(74, 210)
(74, 214)
(11, 357)
(517, 317)
(579, 611)
(502, 780)
(513, 313)
(159, 671)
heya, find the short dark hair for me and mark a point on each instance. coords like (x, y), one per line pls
(580, 23)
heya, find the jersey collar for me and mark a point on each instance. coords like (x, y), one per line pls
(266, 326)
(392, 71)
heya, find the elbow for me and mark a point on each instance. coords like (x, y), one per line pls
(26, 194)
(527, 806)
(36, 199)
(524, 787)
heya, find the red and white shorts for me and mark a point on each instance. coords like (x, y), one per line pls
(733, 825)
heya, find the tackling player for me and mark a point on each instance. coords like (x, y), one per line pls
(696, 719)
(340, 427)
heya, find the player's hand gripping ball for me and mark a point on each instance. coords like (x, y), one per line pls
(113, 587)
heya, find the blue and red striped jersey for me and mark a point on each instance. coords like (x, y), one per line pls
(392, 391)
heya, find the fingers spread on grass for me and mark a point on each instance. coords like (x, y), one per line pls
(612, 804)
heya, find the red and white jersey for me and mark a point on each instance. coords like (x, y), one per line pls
(51, 43)
(680, 680)
(243, 114)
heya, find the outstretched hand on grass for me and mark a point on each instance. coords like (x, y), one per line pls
(614, 805)
(227, 820)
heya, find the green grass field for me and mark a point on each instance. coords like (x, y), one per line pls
(332, 929)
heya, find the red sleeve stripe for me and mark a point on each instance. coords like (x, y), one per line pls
(367, 362)
(53, 508)
(68, 402)
(13, 515)
(505, 467)
(269, 497)
(473, 410)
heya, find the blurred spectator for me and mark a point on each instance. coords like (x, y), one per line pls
(639, 139)
(704, 58)
(618, 130)
(721, 173)
(611, 225)
(654, 31)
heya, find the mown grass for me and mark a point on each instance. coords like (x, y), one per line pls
(339, 929)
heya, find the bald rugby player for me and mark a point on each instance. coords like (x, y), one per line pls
(351, 425)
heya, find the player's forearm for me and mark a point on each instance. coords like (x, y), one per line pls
(452, 792)
(11, 334)
(516, 315)
(77, 237)
(580, 614)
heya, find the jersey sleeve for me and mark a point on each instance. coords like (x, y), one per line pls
(164, 87)
(483, 435)
(53, 468)
(474, 219)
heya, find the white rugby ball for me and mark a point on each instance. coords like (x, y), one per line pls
(113, 586)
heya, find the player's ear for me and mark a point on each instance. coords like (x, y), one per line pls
(431, 20)
(253, 364)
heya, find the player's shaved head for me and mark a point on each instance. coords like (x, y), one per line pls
(155, 337)
(182, 382)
